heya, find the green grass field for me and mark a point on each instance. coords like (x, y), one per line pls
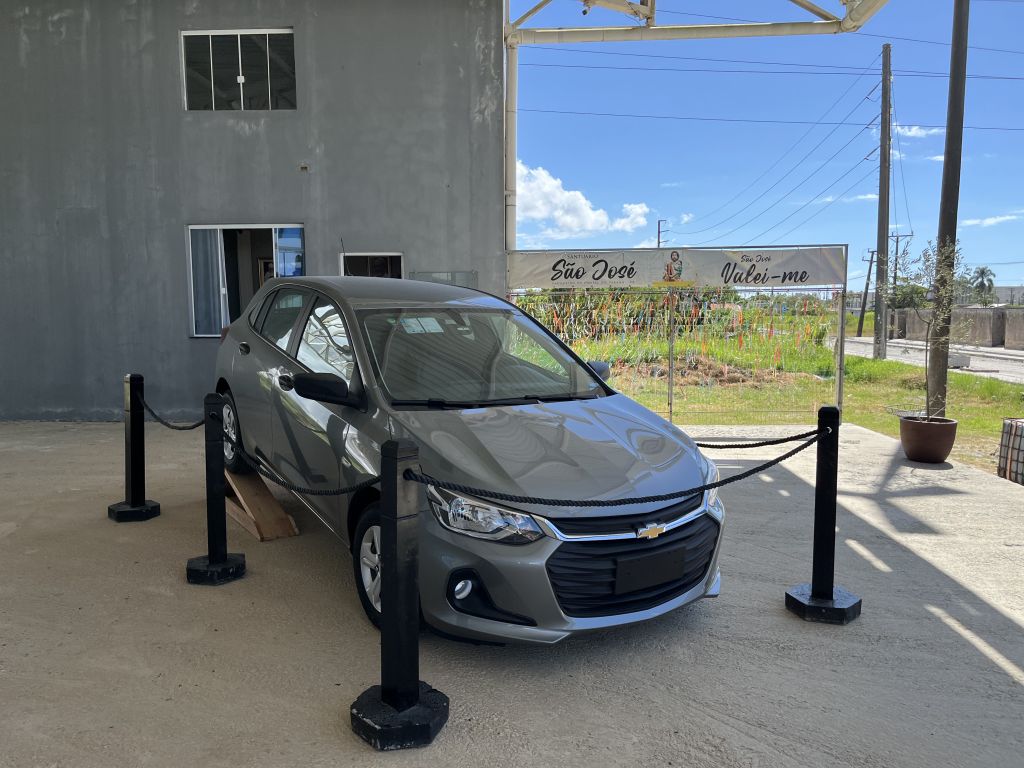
(792, 396)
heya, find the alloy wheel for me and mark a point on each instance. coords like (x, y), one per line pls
(231, 430)
(370, 565)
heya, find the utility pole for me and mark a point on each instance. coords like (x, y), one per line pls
(895, 277)
(945, 258)
(882, 243)
(660, 222)
(864, 298)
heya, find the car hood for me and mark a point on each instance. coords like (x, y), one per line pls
(606, 448)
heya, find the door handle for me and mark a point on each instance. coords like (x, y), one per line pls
(285, 382)
(244, 348)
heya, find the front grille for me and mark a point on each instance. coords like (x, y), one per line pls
(583, 573)
(626, 523)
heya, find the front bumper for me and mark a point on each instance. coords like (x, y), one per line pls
(517, 580)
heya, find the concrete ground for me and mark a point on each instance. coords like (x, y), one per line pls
(107, 657)
(993, 362)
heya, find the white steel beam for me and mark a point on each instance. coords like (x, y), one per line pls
(658, 32)
(858, 12)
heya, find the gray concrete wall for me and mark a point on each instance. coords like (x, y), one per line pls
(983, 327)
(1014, 329)
(399, 120)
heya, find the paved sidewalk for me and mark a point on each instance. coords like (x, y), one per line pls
(107, 657)
(995, 363)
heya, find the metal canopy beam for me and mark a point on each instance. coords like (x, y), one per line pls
(543, 36)
(810, 7)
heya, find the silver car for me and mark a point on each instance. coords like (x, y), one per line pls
(494, 401)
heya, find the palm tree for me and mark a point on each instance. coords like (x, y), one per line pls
(982, 281)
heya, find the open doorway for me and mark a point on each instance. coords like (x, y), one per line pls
(229, 263)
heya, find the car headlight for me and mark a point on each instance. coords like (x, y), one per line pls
(481, 519)
(711, 475)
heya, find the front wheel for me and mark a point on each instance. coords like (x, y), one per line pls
(233, 460)
(366, 562)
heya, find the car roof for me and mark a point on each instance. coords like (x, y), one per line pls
(363, 292)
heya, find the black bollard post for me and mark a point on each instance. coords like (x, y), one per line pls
(218, 566)
(135, 507)
(821, 600)
(402, 711)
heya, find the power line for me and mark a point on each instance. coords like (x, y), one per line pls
(793, 189)
(825, 207)
(762, 62)
(760, 121)
(713, 70)
(787, 173)
(785, 154)
(864, 34)
(899, 149)
(846, 173)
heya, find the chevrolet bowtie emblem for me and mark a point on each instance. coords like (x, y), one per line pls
(650, 531)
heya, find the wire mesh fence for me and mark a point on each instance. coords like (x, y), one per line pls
(712, 356)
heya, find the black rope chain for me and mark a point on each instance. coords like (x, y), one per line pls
(763, 443)
(515, 499)
(274, 478)
(425, 479)
(169, 425)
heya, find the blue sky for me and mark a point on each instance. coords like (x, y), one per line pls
(591, 181)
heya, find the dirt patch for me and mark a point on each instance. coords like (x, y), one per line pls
(704, 371)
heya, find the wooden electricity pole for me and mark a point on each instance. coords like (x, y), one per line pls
(882, 243)
(864, 298)
(945, 257)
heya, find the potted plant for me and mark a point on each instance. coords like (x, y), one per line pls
(926, 436)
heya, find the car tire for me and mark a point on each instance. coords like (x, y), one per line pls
(366, 565)
(233, 461)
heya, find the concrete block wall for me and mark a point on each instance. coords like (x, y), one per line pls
(980, 326)
(1014, 327)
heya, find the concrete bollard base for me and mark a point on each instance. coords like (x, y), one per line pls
(199, 570)
(385, 728)
(123, 512)
(843, 608)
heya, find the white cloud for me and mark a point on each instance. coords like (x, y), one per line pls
(568, 213)
(671, 184)
(936, 158)
(989, 221)
(685, 218)
(917, 132)
(855, 198)
(634, 216)
(648, 242)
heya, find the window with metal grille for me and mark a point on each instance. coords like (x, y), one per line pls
(239, 69)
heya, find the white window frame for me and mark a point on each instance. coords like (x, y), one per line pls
(343, 254)
(223, 271)
(238, 33)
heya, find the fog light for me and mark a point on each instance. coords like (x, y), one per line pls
(462, 589)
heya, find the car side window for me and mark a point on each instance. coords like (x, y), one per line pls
(324, 346)
(260, 309)
(280, 319)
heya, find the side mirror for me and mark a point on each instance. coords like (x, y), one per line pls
(324, 388)
(603, 370)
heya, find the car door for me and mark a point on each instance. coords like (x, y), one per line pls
(248, 386)
(271, 362)
(312, 440)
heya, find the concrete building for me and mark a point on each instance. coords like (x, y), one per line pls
(162, 157)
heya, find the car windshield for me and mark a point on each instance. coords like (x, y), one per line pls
(448, 357)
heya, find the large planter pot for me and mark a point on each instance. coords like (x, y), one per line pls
(928, 440)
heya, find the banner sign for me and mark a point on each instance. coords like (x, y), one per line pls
(818, 265)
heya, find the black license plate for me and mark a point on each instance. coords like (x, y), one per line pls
(637, 572)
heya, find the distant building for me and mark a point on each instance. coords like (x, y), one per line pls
(161, 159)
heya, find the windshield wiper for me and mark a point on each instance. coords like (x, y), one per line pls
(436, 402)
(560, 398)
